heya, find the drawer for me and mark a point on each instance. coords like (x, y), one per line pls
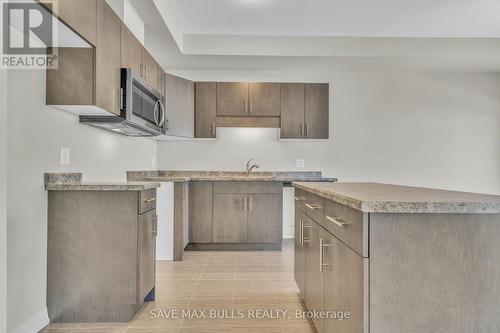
(147, 200)
(347, 224)
(247, 187)
(314, 207)
(300, 199)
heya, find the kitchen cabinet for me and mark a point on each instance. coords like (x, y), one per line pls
(232, 99)
(160, 77)
(264, 213)
(240, 214)
(102, 245)
(264, 99)
(304, 111)
(108, 58)
(205, 109)
(131, 51)
(299, 256)
(180, 106)
(150, 69)
(87, 80)
(80, 15)
(230, 218)
(200, 212)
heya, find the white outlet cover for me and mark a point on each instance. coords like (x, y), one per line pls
(299, 163)
(65, 156)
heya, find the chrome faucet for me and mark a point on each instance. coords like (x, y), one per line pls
(251, 166)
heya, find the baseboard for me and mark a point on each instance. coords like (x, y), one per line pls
(33, 324)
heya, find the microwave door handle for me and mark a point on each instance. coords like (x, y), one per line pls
(154, 113)
(162, 110)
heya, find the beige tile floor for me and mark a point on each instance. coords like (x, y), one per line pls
(229, 283)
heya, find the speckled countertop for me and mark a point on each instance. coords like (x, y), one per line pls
(181, 176)
(384, 198)
(73, 182)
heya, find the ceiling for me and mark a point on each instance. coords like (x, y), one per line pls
(195, 38)
(348, 18)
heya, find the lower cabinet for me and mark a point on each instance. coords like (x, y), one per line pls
(230, 218)
(331, 278)
(264, 218)
(146, 230)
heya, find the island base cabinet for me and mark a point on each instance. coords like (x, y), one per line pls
(299, 253)
(147, 253)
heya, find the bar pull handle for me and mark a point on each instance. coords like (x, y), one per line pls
(322, 245)
(313, 207)
(246, 106)
(300, 198)
(301, 232)
(213, 128)
(121, 99)
(302, 129)
(250, 204)
(340, 222)
(307, 130)
(251, 106)
(244, 204)
(150, 200)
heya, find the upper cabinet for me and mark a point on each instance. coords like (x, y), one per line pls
(131, 50)
(206, 109)
(232, 99)
(304, 111)
(264, 99)
(180, 106)
(149, 69)
(89, 78)
(80, 15)
(248, 99)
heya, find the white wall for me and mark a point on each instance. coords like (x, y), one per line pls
(437, 130)
(35, 135)
(3, 201)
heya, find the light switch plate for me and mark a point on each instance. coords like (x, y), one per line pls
(299, 163)
(65, 156)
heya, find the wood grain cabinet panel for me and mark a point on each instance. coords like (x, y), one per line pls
(229, 218)
(205, 109)
(299, 252)
(200, 212)
(131, 50)
(108, 58)
(292, 111)
(80, 15)
(316, 110)
(147, 253)
(232, 99)
(150, 69)
(265, 218)
(314, 277)
(264, 99)
(160, 77)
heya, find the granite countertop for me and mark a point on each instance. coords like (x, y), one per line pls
(385, 198)
(73, 182)
(183, 176)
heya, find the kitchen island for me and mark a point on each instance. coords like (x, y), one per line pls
(226, 210)
(398, 258)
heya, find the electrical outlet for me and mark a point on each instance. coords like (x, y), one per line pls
(299, 164)
(65, 156)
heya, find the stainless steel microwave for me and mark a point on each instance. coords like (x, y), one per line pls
(142, 109)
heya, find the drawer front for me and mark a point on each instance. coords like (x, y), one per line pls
(347, 224)
(147, 200)
(300, 199)
(247, 187)
(314, 207)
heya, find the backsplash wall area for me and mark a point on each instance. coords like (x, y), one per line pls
(36, 134)
(435, 130)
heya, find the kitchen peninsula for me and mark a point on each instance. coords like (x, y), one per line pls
(227, 210)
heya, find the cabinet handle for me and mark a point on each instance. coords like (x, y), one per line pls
(120, 98)
(300, 198)
(321, 246)
(301, 232)
(313, 207)
(145, 71)
(244, 204)
(307, 130)
(141, 70)
(150, 200)
(246, 106)
(251, 106)
(302, 129)
(340, 222)
(213, 128)
(250, 204)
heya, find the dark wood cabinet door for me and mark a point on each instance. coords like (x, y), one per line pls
(316, 110)
(229, 218)
(264, 99)
(108, 58)
(150, 69)
(232, 99)
(292, 111)
(131, 50)
(265, 219)
(200, 212)
(206, 109)
(80, 15)
(314, 277)
(147, 253)
(343, 286)
(299, 255)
